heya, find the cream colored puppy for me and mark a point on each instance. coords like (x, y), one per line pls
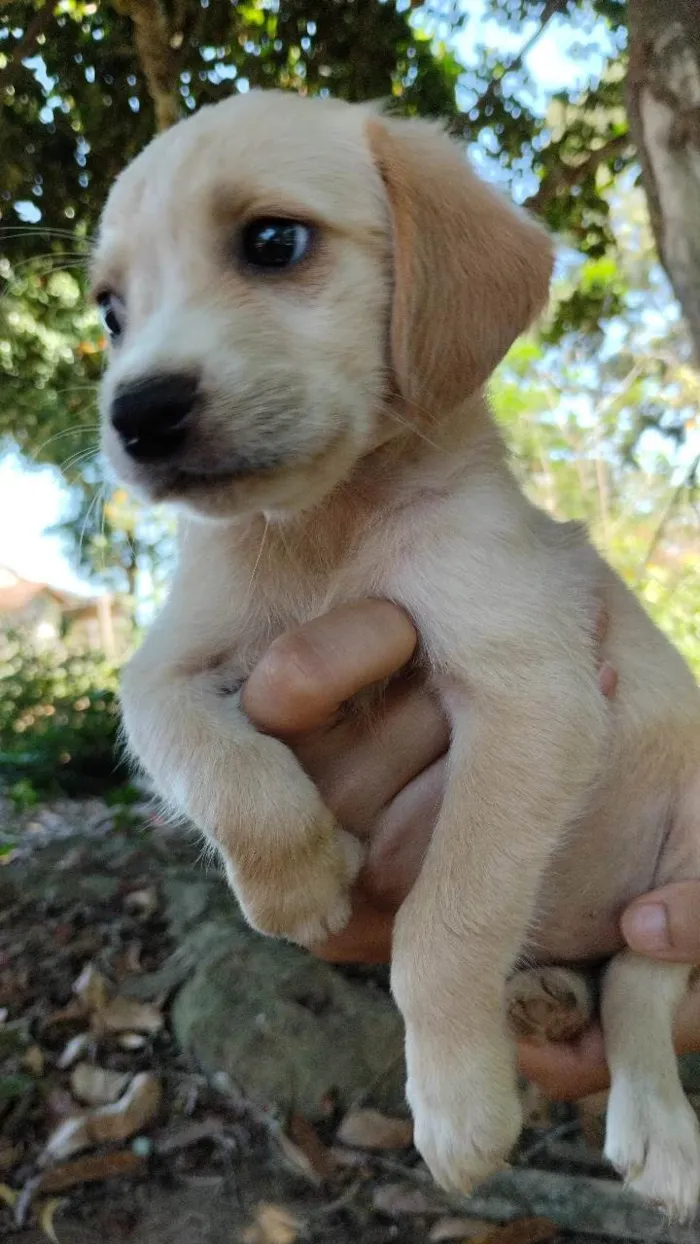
(305, 300)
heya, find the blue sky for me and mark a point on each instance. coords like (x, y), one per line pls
(31, 501)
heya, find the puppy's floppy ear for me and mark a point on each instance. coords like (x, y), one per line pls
(470, 271)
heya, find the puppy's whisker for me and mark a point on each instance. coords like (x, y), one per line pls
(54, 261)
(81, 458)
(285, 545)
(43, 231)
(83, 529)
(72, 431)
(249, 590)
(410, 427)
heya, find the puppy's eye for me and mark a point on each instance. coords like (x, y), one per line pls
(112, 314)
(272, 242)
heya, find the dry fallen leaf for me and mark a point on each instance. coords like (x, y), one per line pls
(74, 1012)
(33, 1061)
(459, 1229)
(9, 1155)
(523, 1231)
(368, 1129)
(131, 1041)
(305, 1136)
(129, 1015)
(8, 1195)
(110, 1124)
(59, 1105)
(93, 1169)
(97, 1086)
(142, 903)
(298, 1160)
(45, 1216)
(91, 989)
(397, 1199)
(185, 1134)
(74, 1050)
(273, 1225)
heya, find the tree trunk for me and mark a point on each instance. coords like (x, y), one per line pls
(664, 112)
(155, 47)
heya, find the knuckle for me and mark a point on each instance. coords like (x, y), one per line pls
(292, 672)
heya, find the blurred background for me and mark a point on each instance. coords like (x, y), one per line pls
(600, 407)
(588, 113)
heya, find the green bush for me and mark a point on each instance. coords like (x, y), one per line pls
(58, 720)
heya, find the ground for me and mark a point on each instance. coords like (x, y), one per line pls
(167, 1076)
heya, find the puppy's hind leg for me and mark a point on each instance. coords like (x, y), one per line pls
(652, 1134)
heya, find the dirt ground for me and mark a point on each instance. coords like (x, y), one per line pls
(109, 1133)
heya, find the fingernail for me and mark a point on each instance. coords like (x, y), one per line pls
(646, 927)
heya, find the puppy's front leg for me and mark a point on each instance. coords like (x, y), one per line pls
(522, 758)
(287, 861)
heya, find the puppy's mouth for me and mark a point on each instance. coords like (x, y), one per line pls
(184, 480)
(238, 483)
(163, 482)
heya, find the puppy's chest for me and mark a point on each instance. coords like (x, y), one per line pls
(291, 587)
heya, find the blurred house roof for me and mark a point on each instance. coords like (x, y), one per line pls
(17, 593)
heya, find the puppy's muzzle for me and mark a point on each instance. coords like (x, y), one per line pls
(154, 416)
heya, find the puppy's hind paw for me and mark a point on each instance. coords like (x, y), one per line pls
(655, 1145)
(548, 1004)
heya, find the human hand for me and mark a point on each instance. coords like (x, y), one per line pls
(384, 779)
(662, 925)
(385, 782)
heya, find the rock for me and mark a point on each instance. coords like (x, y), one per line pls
(286, 1028)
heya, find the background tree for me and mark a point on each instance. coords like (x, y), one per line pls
(85, 85)
(663, 98)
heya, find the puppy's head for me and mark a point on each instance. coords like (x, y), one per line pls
(275, 274)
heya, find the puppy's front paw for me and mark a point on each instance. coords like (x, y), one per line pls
(303, 894)
(467, 1114)
(653, 1140)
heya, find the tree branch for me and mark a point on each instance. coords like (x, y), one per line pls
(493, 91)
(152, 40)
(565, 176)
(686, 482)
(26, 44)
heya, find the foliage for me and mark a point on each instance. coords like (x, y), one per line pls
(597, 408)
(583, 421)
(76, 108)
(58, 720)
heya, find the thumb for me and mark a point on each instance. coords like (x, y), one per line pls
(666, 923)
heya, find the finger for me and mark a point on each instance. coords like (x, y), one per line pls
(306, 674)
(365, 939)
(666, 923)
(566, 1071)
(394, 860)
(360, 767)
(404, 830)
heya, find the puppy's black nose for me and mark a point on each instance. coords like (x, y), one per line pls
(153, 415)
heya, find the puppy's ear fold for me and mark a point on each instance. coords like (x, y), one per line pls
(470, 271)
